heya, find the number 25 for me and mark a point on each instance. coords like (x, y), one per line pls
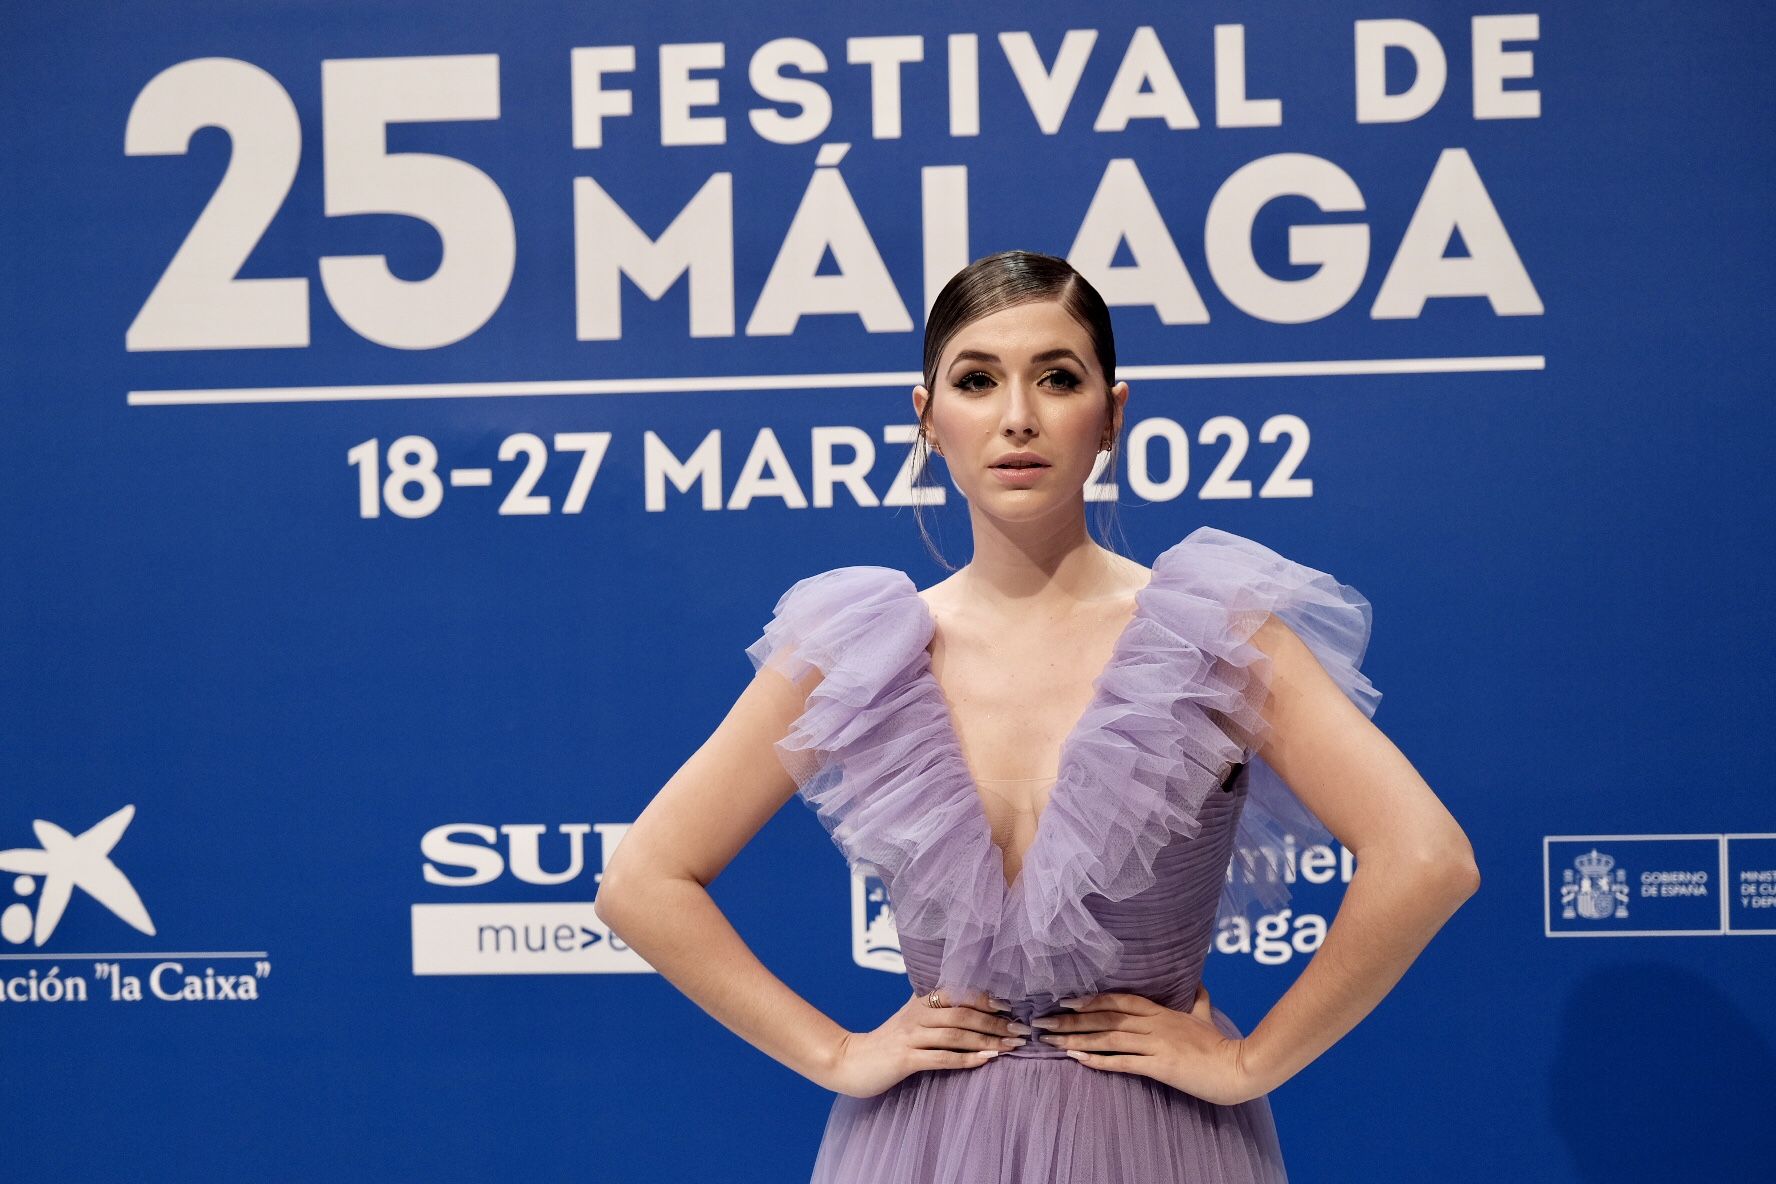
(200, 302)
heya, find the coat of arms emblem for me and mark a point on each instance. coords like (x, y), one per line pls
(1588, 890)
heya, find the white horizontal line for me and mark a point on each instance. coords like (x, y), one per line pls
(1546, 839)
(1653, 932)
(758, 382)
(1335, 366)
(169, 954)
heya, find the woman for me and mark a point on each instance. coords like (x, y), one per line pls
(1051, 758)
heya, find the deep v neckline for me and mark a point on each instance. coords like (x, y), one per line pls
(952, 737)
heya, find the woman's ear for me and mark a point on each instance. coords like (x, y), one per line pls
(921, 397)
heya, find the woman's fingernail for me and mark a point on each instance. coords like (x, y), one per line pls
(1016, 1026)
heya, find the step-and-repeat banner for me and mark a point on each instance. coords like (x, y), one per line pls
(412, 411)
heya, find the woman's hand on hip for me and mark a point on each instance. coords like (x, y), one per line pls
(1182, 1049)
(958, 1035)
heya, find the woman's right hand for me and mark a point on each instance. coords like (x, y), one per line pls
(960, 1035)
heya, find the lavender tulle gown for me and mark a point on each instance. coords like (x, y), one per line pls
(1132, 865)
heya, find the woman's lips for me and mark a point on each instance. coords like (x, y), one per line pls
(1018, 475)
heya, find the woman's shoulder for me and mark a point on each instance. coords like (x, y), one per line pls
(1232, 589)
(854, 617)
(1216, 562)
(835, 582)
(1209, 545)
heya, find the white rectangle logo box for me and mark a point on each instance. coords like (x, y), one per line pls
(557, 937)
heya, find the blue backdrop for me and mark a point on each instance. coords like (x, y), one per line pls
(413, 410)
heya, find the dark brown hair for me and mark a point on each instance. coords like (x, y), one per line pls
(996, 282)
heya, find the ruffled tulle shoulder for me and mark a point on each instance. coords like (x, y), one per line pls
(1250, 582)
(854, 641)
(850, 624)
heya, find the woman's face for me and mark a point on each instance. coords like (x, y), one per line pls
(1024, 379)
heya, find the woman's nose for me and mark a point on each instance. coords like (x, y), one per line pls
(1020, 414)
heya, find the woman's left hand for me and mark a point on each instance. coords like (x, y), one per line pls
(1182, 1049)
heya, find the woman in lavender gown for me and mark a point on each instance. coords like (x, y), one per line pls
(1068, 770)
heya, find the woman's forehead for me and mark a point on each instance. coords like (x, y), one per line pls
(1014, 335)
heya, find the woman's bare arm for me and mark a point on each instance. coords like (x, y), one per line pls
(1415, 866)
(654, 892)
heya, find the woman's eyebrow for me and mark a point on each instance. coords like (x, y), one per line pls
(1048, 355)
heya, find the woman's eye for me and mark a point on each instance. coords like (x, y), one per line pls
(1065, 379)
